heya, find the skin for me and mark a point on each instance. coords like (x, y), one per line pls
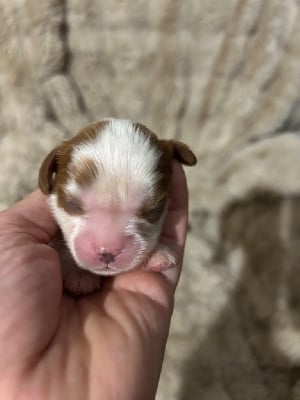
(109, 345)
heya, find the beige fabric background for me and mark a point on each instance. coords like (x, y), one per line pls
(224, 76)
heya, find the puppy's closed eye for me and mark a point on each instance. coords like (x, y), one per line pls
(154, 212)
(72, 205)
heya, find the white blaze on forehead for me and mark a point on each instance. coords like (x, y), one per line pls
(125, 161)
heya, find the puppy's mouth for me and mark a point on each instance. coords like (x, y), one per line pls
(107, 270)
(108, 264)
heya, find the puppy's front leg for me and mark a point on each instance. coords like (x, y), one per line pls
(160, 259)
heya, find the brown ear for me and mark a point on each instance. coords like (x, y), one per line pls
(47, 171)
(182, 153)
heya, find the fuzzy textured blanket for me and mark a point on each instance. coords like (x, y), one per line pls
(225, 77)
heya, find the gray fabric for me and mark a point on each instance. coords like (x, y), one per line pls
(224, 77)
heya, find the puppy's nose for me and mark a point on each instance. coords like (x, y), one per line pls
(107, 258)
(108, 255)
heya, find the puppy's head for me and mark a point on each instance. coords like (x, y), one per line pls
(108, 189)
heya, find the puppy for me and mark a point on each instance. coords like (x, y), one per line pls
(108, 190)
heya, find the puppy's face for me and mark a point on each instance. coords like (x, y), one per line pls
(108, 189)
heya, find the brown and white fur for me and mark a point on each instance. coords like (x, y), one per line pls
(108, 190)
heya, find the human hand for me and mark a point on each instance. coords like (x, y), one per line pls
(108, 345)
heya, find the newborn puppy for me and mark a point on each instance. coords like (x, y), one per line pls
(108, 190)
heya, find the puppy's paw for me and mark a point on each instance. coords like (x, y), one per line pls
(79, 282)
(161, 259)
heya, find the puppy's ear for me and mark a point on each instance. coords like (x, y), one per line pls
(47, 172)
(182, 153)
